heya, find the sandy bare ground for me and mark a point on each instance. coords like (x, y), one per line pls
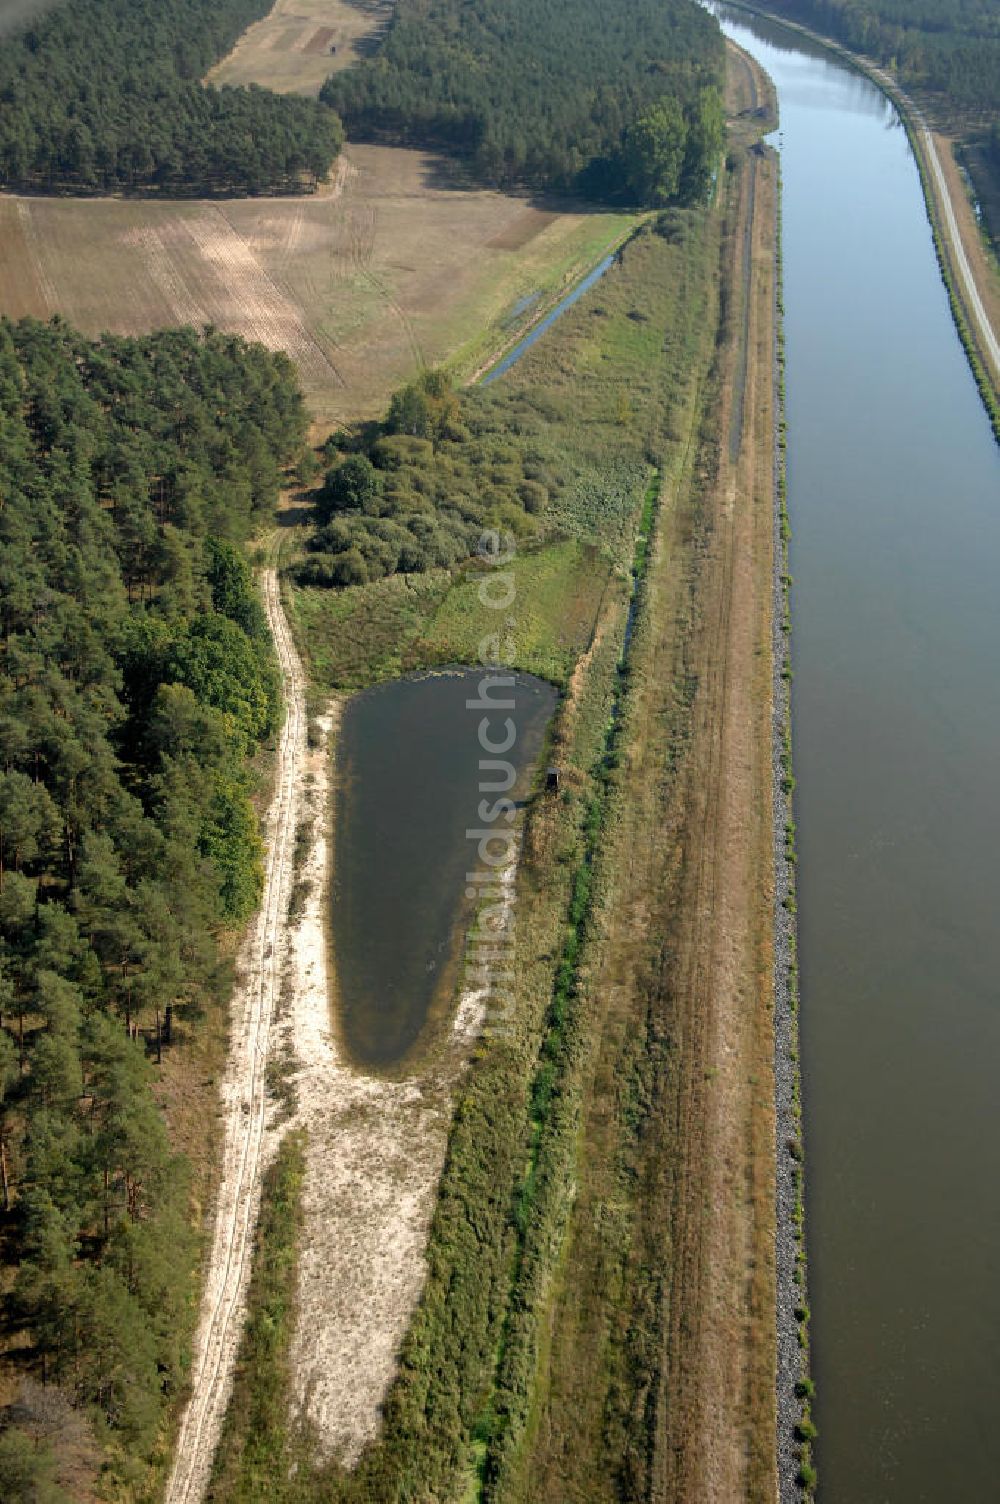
(374, 1152)
(244, 1103)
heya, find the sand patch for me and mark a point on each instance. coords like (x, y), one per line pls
(374, 1152)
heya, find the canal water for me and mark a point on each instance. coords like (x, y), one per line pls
(408, 790)
(894, 495)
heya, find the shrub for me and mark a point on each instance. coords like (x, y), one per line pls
(352, 486)
(534, 496)
(395, 450)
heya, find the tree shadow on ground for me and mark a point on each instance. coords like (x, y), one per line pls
(296, 515)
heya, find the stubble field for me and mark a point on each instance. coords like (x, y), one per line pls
(299, 43)
(386, 269)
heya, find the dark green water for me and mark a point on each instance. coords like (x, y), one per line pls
(408, 790)
(894, 493)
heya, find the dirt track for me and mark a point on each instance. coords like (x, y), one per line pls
(244, 1101)
(717, 1408)
(374, 1146)
(969, 287)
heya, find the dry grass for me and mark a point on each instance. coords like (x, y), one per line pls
(718, 1422)
(290, 51)
(392, 269)
(668, 1277)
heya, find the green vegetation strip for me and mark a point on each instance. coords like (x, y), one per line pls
(257, 1447)
(544, 1195)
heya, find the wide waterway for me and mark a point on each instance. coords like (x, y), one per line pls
(894, 494)
(409, 788)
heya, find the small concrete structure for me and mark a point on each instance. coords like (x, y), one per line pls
(552, 780)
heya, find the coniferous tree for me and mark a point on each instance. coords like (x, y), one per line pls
(136, 679)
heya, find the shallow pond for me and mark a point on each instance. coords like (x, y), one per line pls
(408, 789)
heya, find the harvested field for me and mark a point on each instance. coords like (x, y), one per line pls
(387, 269)
(522, 231)
(301, 42)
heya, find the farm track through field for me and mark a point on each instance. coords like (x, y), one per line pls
(34, 243)
(379, 286)
(244, 1099)
(363, 233)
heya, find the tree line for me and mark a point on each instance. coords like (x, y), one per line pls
(103, 95)
(951, 47)
(541, 92)
(136, 680)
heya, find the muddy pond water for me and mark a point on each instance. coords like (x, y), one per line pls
(408, 789)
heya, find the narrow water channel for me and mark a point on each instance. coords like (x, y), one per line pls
(573, 296)
(894, 496)
(409, 788)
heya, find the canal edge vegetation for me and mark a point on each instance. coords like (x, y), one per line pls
(797, 1471)
(987, 386)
